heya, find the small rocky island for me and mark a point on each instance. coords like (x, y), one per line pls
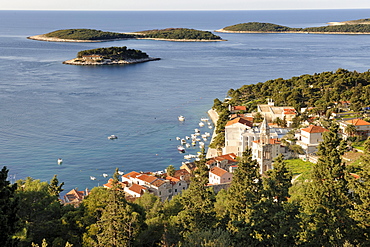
(92, 35)
(348, 27)
(110, 56)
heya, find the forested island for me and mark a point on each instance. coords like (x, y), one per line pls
(350, 27)
(81, 35)
(92, 35)
(179, 34)
(110, 56)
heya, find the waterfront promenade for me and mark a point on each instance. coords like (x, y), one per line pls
(212, 152)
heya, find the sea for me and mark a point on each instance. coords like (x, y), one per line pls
(49, 110)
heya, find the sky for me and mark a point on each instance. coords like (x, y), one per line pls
(182, 4)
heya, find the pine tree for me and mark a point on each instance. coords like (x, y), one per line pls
(8, 209)
(197, 203)
(243, 195)
(275, 221)
(121, 222)
(54, 186)
(327, 199)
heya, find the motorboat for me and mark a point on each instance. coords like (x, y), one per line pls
(181, 149)
(60, 161)
(187, 137)
(187, 145)
(210, 126)
(204, 119)
(183, 141)
(201, 124)
(92, 178)
(112, 137)
(105, 175)
(120, 173)
(196, 130)
(178, 138)
(181, 118)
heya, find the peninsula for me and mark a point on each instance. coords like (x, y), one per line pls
(110, 56)
(92, 35)
(349, 27)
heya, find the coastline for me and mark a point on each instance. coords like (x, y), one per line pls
(42, 37)
(77, 61)
(212, 152)
(298, 32)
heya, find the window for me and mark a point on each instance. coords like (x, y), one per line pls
(179, 184)
(175, 190)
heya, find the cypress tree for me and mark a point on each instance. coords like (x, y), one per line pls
(327, 199)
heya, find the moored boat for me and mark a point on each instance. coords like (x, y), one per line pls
(181, 118)
(181, 149)
(112, 137)
(60, 161)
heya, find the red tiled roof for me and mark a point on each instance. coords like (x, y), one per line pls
(131, 174)
(172, 179)
(357, 122)
(146, 178)
(158, 183)
(218, 171)
(239, 108)
(109, 184)
(241, 120)
(137, 189)
(272, 141)
(289, 111)
(314, 129)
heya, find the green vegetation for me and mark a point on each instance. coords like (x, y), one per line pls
(259, 27)
(269, 27)
(180, 33)
(87, 34)
(299, 167)
(114, 53)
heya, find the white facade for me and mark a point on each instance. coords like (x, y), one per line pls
(309, 138)
(219, 176)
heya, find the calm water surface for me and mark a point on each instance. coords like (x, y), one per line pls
(50, 110)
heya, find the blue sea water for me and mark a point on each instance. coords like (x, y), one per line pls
(49, 110)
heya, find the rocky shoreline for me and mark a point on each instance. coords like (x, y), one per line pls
(88, 62)
(304, 32)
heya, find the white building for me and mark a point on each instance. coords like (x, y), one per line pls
(362, 127)
(271, 112)
(309, 138)
(218, 175)
(233, 135)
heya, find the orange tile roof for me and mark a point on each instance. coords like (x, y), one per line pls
(172, 179)
(146, 178)
(357, 122)
(158, 183)
(239, 108)
(289, 111)
(137, 189)
(109, 184)
(218, 171)
(131, 174)
(241, 120)
(314, 129)
(272, 141)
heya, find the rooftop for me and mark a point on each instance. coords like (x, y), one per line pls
(314, 129)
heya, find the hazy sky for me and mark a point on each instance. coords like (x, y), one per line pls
(181, 4)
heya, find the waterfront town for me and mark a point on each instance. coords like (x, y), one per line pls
(267, 140)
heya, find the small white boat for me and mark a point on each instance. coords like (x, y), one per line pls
(183, 141)
(112, 137)
(187, 145)
(181, 118)
(204, 119)
(92, 178)
(207, 134)
(60, 161)
(196, 130)
(201, 144)
(201, 124)
(187, 137)
(210, 126)
(181, 149)
(178, 138)
(105, 175)
(193, 143)
(120, 173)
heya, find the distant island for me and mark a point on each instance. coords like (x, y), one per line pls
(178, 34)
(348, 27)
(110, 56)
(92, 35)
